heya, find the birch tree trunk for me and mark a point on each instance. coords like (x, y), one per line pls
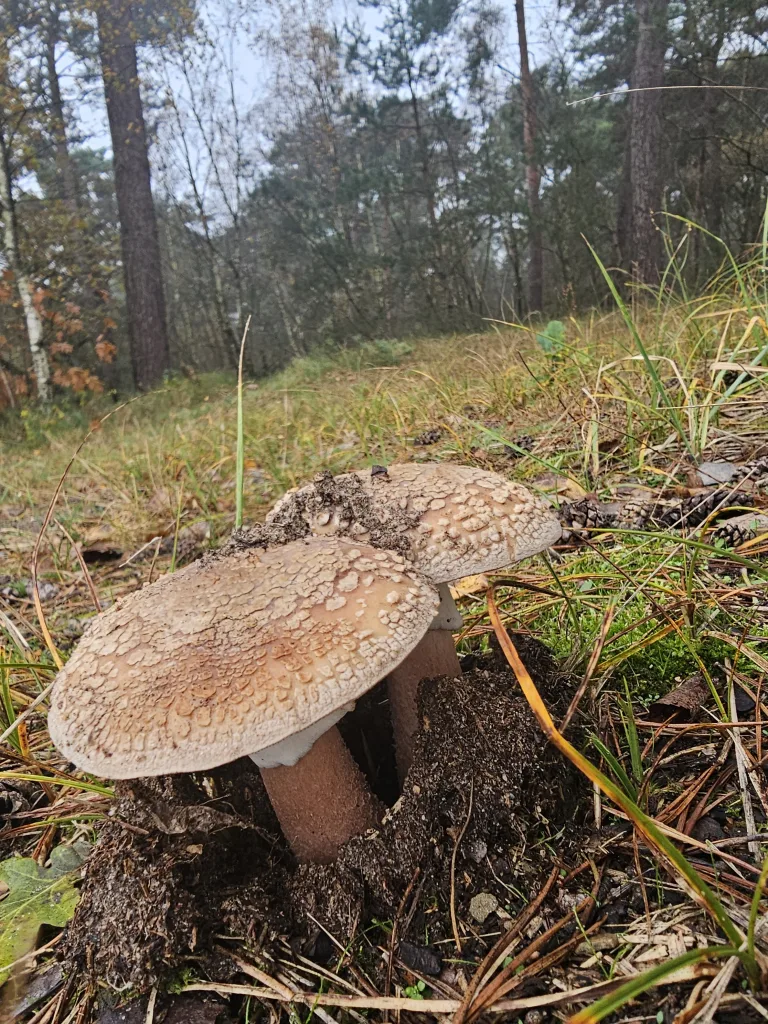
(32, 319)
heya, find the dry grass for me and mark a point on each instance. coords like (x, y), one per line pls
(630, 613)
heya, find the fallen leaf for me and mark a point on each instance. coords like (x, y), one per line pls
(37, 896)
(654, 953)
(712, 473)
(469, 585)
(563, 486)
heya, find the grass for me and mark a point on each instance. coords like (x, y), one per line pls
(635, 396)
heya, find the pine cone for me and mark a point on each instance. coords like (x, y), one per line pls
(634, 515)
(694, 511)
(524, 441)
(431, 436)
(756, 469)
(579, 517)
(739, 530)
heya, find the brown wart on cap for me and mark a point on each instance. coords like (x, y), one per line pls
(258, 653)
(458, 521)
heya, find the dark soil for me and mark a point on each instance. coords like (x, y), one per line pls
(187, 858)
(347, 499)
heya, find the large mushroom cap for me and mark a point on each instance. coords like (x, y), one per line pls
(460, 520)
(234, 654)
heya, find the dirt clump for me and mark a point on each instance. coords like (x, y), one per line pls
(186, 858)
(482, 772)
(345, 498)
(154, 886)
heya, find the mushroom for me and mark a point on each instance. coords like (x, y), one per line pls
(458, 521)
(256, 653)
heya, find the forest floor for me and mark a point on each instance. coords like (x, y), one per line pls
(530, 896)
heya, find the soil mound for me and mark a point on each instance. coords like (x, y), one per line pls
(188, 858)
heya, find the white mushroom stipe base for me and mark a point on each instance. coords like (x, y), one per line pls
(234, 655)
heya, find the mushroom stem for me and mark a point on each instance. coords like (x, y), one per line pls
(322, 800)
(434, 656)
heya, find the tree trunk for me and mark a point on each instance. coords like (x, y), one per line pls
(645, 138)
(142, 273)
(532, 173)
(65, 171)
(624, 212)
(32, 318)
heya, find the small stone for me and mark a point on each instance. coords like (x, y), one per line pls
(482, 905)
(712, 474)
(478, 850)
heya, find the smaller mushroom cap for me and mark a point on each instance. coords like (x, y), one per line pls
(234, 654)
(465, 520)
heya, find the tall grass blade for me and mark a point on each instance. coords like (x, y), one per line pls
(240, 457)
(633, 741)
(755, 907)
(687, 874)
(614, 1002)
(9, 709)
(653, 373)
(615, 765)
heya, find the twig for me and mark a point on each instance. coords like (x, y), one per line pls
(593, 661)
(7, 968)
(507, 978)
(26, 713)
(83, 566)
(434, 1006)
(498, 953)
(716, 990)
(254, 972)
(456, 846)
(741, 768)
(13, 629)
(393, 937)
(154, 540)
(150, 1018)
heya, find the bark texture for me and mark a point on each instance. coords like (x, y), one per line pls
(32, 318)
(142, 272)
(645, 139)
(66, 178)
(532, 172)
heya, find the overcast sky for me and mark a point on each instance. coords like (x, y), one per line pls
(254, 70)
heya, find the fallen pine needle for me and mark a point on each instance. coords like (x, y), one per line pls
(433, 1006)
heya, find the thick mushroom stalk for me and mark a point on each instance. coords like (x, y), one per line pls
(322, 800)
(320, 796)
(434, 655)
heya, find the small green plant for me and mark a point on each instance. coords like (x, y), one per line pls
(417, 991)
(551, 340)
